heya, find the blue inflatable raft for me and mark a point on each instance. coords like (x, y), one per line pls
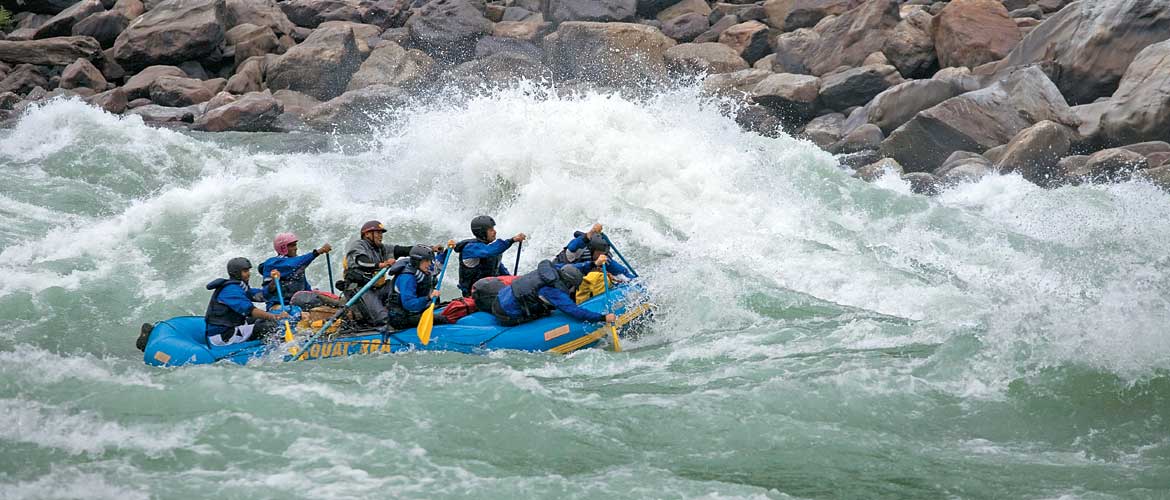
(181, 341)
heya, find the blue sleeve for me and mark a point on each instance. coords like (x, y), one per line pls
(616, 268)
(577, 243)
(567, 305)
(408, 294)
(233, 297)
(479, 250)
(585, 267)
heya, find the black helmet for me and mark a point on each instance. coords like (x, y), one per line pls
(419, 253)
(480, 226)
(237, 266)
(598, 245)
(570, 278)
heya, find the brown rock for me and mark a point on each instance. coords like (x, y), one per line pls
(1140, 109)
(62, 23)
(254, 112)
(749, 40)
(251, 40)
(129, 8)
(1110, 165)
(856, 86)
(362, 32)
(258, 12)
(708, 58)
(735, 84)
(215, 85)
(788, 15)
(878, 169)
(519, 30)
(498, 70)
(824, 130)
(910, 47)
(59, 51)
(295, 102)
(1159, 176)
(448, 29)
(353, 110)
(138, 86)
(103, 27)
(793, 49)
(607, 53)
(24, 78)
(793, 97)
(977, 120)
(394, 66)
(605, 11)
(154, 113)
(321, 66)
(249, 77)
(847, 39)
(1035, 151)
(311, 13)
(898, 104)
(972, 32)
(112, 101)
(1148, 148)
(923, 183)
(865, 137)
(171, 33)
(686, 27)
(82, 74)
(1087, 47)
(220, 99)
(684, 7)
(38, 6)
(175, 91)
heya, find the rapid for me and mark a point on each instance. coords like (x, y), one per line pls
(816, 337)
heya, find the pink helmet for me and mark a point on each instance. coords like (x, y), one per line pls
(281, 243)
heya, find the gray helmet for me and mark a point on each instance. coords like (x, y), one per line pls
(237, 266)
(570, 278)
(419, 253)
(480, 226)
(598, 245)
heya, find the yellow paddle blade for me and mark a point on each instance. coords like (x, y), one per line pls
(425, 323)
(288, 337)
(617, 345)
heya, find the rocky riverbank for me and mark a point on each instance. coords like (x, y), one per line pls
(938, 92)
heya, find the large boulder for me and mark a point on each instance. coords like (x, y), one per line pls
(849, 38)
(354, 111)
(62, 24)
(686, 27)
(491, 45)
(251, 40)
(1109, 165)
(24, 78)
(707, 58)
(258, 12)
(910, 47)
(311, 13)
(977, 120)
(394, 66)
(448, 29)
(82, 73)
(898, 104)
(856, 86)
(295, 102)
(249, 76)
(59, 51)
(864, 138)
(154, 113)
(792, 97)
(1087, 46)
(607, 53)
(793, 49)
(498, 70)
(1036, 150)
(735, 84)
(824, 130)
(1140, 109)
(591, 10)
(321, 66)
(362, 33)
(788, 15)
(171, 33)
(749, 39)
(972, 32)
(175, 91)
(129, 8)
(103, 27)
(646, 8)
(138, 86)
(112, 101)
(254, 112)
(37, 6)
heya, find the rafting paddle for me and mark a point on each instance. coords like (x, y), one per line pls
(329, 263)
(617, 345)
(516, 268)
(288, 335)
(427, 321)
(620, 256)
(332, 319)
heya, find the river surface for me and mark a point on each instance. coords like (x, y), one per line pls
(818, 337)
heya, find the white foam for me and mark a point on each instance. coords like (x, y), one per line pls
(86, 432)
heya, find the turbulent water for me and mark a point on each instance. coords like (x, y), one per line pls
(818, 337)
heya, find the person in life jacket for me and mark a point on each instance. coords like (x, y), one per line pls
(231, 317)
(291, 268)
(537, 294)
(480, 257)
(583, 250)
(415, 278)
(364, 257)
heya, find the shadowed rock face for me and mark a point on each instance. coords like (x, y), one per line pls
(171, 33)
(1087, 46)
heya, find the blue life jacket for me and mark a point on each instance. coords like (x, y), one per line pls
(525, 291)
(219, 314)
(424, 283)
(290, 283)
(583, 254)
(472, 270)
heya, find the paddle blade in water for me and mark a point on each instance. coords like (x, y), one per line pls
(425, 323)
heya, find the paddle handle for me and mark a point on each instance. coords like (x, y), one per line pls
(516, 268)
(288, 335)
(443, 272)
(617, 345)
(619, 254)
(329, 265)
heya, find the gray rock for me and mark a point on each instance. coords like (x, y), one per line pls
(962, 158)
(356, 110)
(1110, 165)
(591, 10)
(499, 70)
(519, 14)
(103, 27)
(295, 102)
(788, 15)
(684, 7)
(38, 6)
(878, 169)
(249, 77)
(686, 27)
(321, 66)
(265, 13)
(758, 119)
(792, 97)
(847, 39)
(1035, 151)
(177, 91)
(449, 29)
(171, 33)
(923, 183)
(607, 53)
(1148, 148)
(394, 66)
(492, 45)
(862, 138)
(24, 78)
(859, 159)
(164, 114)
(793, 49)
(995, 154)
(112, 101)
(59, 51)
(129, 8)
(824, 130)
(910, 47)
(857, 86)
(62, 23)
(82, 73)
(311, 13)
(1031, 11)
(251, 40)
(1140, 110)
(254, 112)
(707, 58)
(977, 120)
(1087, 47)
(897, 105)
(1159, 176)
(735, 84)
(138, 86)
(748, 39)
(973, 32)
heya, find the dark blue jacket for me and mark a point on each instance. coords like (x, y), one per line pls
(230, 305)
(478, 260)
(578, 254)
(409, 293)
(554, 297)
(292, 276)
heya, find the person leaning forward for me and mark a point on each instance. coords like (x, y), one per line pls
(364, 257)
